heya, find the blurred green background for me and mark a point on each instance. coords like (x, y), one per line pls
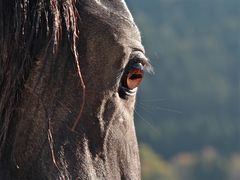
(188, 113)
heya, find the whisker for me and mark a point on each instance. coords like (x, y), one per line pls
(147, 107)
(147, 122)
(153, 100)
(169, 109)
(144, 108)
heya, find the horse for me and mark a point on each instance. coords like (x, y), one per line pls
(69, 73)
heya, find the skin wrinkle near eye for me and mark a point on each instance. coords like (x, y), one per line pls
(101, 114)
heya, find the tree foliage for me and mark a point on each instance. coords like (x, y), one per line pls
(193, 100)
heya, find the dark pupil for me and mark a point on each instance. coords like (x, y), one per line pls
(135, 76)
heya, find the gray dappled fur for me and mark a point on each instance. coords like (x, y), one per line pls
(60, 66)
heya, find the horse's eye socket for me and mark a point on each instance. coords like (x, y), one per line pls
(133, 76)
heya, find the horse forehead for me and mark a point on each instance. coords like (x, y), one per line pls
(117, 16)
(108, 6)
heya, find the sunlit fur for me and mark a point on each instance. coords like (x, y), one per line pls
(50, 127)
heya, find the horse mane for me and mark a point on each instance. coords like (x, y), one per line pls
(26, 28)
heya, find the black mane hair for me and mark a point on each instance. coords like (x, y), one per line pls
(28, 27)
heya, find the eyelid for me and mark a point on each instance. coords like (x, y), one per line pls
(139, 57)
(139, 48)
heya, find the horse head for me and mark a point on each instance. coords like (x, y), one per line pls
(70, 70)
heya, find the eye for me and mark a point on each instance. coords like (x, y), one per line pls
(131, 79)
(133, 76)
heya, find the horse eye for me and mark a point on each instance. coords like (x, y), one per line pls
(133, 76)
